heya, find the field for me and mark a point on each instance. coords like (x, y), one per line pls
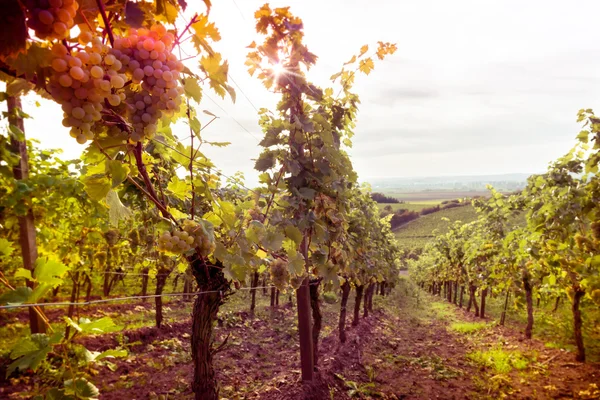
(418, 232)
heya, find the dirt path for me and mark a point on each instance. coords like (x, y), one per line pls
(402, 351)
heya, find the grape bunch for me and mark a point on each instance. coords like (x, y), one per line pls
(83, 81)
(280, 275)
(256, 215)
(51, 18)
(192, 235)
(137, 79)
(153, 69)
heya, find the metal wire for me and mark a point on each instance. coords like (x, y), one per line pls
(114, 299)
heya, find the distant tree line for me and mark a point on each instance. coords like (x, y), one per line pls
(381, 198)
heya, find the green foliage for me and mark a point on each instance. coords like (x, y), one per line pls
(500, 360)
(467, 327)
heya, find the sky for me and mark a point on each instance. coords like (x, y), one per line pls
(476, 87)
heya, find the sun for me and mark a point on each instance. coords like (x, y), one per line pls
(277, 69)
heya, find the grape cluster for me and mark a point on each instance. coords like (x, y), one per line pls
(192, 235)
(51, 18)
(596, 296)
(147, 59)
(280, 275)
(138, 79)
(256, 215)
(83, 81)
(595, 229)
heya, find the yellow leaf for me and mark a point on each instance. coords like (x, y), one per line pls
(261, 254)
(366, 66)
(205, 30)
(216, 72)
(363, 50)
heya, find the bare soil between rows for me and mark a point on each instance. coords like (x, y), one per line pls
(395, 353)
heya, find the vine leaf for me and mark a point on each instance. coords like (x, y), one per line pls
(265, 161)
(366, 66)
(31, 351)
(14, 297)
(82, 388)
(192, 89)
(134, 15)
(97, 187)
(216, 72)
(179, 188)
(117, 211)
(6, 248)
(13, 29)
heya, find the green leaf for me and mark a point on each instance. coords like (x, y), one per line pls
(6, 248)
(56, 394)
(583, 136)
(82, 388)
(293, 233)
(97, 356)
(273, 240)
(255, 232)
(180, 188)
(50, 272)
(265, 161)
(296, 264)
(97, 187)
(307, 193)
(118, 171)
(102, 325)
(29, 353)
(24, 273)
(195, 125)
(14, 297)
(17, 133)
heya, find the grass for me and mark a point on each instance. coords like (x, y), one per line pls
(467, 327)
(500, 360)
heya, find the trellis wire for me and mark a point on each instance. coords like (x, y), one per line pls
(114, 299)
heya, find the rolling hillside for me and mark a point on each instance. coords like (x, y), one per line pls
(418, 232)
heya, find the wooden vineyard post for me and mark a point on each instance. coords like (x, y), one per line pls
(26, 222)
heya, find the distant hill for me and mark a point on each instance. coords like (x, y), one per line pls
(470, 183)
(420, 231)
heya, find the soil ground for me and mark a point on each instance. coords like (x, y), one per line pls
(409, 348)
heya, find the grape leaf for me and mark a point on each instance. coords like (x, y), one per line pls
(216, 72)
(116, 210)
(13, 29)
(366, 66)
(23, 273)
(50, 272)
(82, 388)
(134, 15)
(18, 296)
(180, 188)
(293, 233)
(97, 187)
(192, 89)
(265, 161)
(6, 248)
